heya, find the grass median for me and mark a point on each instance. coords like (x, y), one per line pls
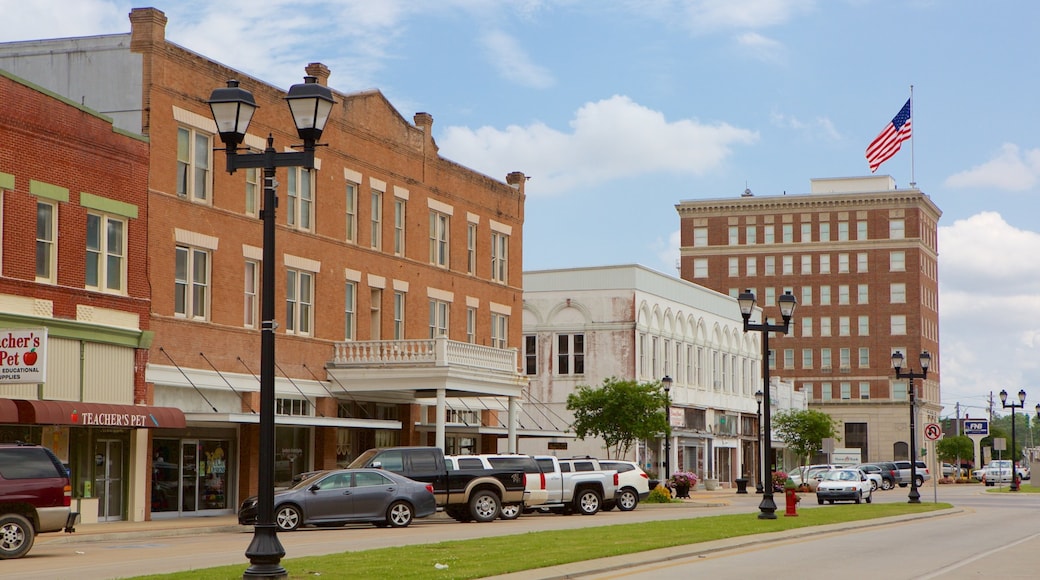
(460, 559)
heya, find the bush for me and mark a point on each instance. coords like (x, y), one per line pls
(659, 495)
(779, 479)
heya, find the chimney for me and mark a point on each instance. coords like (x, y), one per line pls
(517, 179)
(319, 71)
(147, 28)
(424, 121)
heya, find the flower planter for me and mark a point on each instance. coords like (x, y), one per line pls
(711, 484)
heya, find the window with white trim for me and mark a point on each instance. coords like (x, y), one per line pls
(806, 264)
(825, 295)
(530, 354)
(399, 225)
(299, 301)
(300, 194)
(768, 235)
(806, 296)
(253, 191)
(896, 229)
(751, 265)
(825, 232)
(734, 235)
(825, 263)
(191, 283)
(861, 262)
(499, 330)
(897, 261)
(471, 325)
(844, 326)
(825, 326)
(825, 358)
(46, 241)
(350, 311)
(806, 326)
(787, 231)
(375, 313)
(251, 298)
(843, 231)
(352, 214)
(438, 323)
(806, 233)
(897, 325)
(897, 293)
(788, 265)
(106, 253)
(734, 267)
(194, 153)
(863, 294)
(843, 294)
(399, 315)
(770, 265)
(749, 235)
(807, 358)
(570, 354)
(499, 257)
(843, 263)
(861, 230)
(864, 357)
(700, 237)
(375, 239)
(700, 268)
(864, 325)
(439, 223)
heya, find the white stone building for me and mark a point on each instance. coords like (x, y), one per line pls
(584, 325)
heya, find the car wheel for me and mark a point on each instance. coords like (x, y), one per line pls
(873, 485)
(859, 497)
(288, 517)
(819, 500)
(510, 512)
(628, 500)
(399, 514)
(16, 536)
(484, 506)
(886, 485)
(919, 481)
(870, 498)
(588, 502)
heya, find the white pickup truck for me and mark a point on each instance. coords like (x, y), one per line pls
(575, 486)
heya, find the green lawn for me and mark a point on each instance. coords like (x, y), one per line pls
(470, 558)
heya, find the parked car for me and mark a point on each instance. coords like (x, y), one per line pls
(997, 471)
(535, 492)
(886, 478)
(948, 470)
(923, 474)
(798, 474)
(576, 485)
(1023, 472)
(978, 474)
(633, 484)
(35, 497)
(844, 485)
(342, 496)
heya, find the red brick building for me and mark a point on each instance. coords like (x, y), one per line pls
(398, 276)
(861, 258)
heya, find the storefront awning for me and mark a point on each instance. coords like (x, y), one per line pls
(95, 414)
(8, 411)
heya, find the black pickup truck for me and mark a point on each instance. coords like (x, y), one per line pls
(470, 495)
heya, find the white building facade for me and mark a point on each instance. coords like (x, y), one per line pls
(584, 325)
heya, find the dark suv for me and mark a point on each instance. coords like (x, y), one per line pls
(35, 497)
(888, 471)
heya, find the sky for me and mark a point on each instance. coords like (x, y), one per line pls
(619, 109)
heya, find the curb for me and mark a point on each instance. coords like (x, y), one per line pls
(78, 538)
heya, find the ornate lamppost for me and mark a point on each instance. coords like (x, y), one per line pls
(233, 108)
(746, 301)
(758, 441)
(667, 382)
(1021, 405)
(897, 363)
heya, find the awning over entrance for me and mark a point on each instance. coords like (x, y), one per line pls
(8, 411)
(82, 414)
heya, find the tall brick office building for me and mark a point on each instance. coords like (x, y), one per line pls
(398, 275)
(860, 257)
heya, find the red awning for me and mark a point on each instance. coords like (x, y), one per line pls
(95, 414)
(8, 411)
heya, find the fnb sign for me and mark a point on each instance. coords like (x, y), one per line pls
(976, 427)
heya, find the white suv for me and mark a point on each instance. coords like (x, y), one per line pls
(633, 484)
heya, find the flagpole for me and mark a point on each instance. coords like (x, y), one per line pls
(913, 182)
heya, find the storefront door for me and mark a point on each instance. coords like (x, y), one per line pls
(108, 479)
(189, 476)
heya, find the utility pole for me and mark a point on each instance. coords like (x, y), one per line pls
(957, 467)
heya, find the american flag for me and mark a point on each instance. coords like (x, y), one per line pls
(889, 141)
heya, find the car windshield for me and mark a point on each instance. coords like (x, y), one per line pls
(1001, 464)
(841, 475)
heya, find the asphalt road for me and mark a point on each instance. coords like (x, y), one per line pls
(134, 556)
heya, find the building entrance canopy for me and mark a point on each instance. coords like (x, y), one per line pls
(31, 412)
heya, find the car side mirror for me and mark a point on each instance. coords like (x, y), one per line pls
(313, 488)
(376, 465)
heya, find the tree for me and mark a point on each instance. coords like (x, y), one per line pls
(950, 449)
(804, 431)
(620, 411)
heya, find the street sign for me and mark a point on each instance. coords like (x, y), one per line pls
(933, 431)
(976, 427)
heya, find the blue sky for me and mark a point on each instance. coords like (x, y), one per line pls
(620, 109)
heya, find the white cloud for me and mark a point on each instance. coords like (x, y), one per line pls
(512, 62)
(761, 48)
(36, 19)
(1011, 170)
(610, 139)
(712, 15)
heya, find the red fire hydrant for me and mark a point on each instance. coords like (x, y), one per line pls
(791, 497)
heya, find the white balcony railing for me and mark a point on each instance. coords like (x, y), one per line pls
(433, 352)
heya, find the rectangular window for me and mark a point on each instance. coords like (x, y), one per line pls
(846, 391)
(897, 261)
(251, 290)
(825, 326)
(770, 262)
(825, 358)
(768, 234)
(438, 318)
(499, 257)
(843, 294)
(398, 315)
(439, 239)
(806, 264)
(46, 241)
(899, 392)
(352, 203)
(843, 263)
(191, 283)
(826, 392)
(299, 301)
(252, 191)
(350, 311)
(861, 262)
(825, 232)
(570, 354)
(864, 325)
(375, 313)
(864, 357)
(471, 249)
(300, 193)
(106, 251)
(864, 390)
(751, 264)
(788, 358)
(734, 267)
(770, 297)
(471, 325)
(376, 233)
(788, 233)
(843, 231)
(750, 235)
(700, 237)
(530, 354)
(499, 330)
(862, 294)
(788, 265)
(861, 230)
(898, 325)
(806, 326)
(825, 263)
(806, 232)
(825, 295)
(896, 229)
(193, 163)
(807, 358)
(845, 357)
(399, 224)
(844, 326)
(897, 293)
(734, 235)
(700, 268)
(806, 296)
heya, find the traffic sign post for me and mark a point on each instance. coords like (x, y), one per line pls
(933, 431)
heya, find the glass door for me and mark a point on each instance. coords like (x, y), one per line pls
(189, 476)
(108, 479)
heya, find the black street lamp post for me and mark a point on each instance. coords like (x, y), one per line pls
(897, 363)
(1011, 451)
(233, 108)
(758, 441)
(746, 301)
(667, 382)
